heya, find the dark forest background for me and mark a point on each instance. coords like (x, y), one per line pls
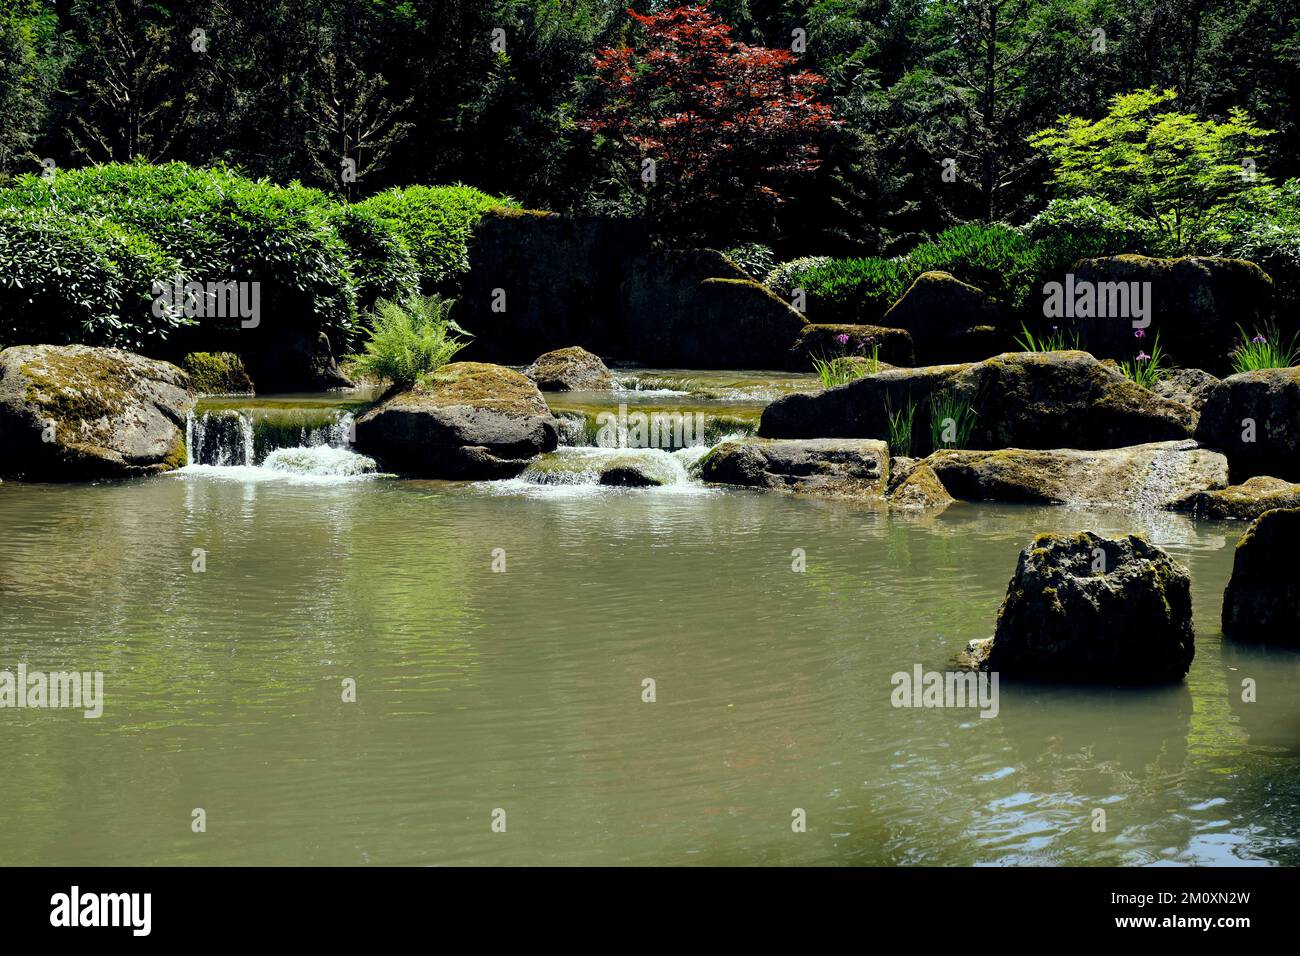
(491, 93)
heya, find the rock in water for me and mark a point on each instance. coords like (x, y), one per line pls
(1254, 419)
(1262, 600)
(569, 370)
(469, 420)
(1243, 502)
(1020, 399)
(829, 467)
(73, 413)
(921, 490)
(1086, 609)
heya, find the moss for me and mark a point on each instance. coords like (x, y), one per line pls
(479, 383)
(217, 373)
(81, 390)
(178, 457)
(507, 212)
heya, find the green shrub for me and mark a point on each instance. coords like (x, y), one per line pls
(379, 260)
(74, 277)
(219, 226)
(1267, 234)
(853, 290)
(752, 258)
(408, 340)
(1086, 228)
(435, 223)
(951, 421)
(788, 276)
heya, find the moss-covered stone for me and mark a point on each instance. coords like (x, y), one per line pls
(569, 369)
(822, 467)
(74, 412)
(1262, 600)
(949, 320)
(217, 373)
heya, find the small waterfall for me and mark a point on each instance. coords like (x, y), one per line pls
(301, 441)
(665, 429)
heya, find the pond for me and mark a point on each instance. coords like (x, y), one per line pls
(500, 637)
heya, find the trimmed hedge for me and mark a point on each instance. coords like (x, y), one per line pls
(80, 252)
(435, 223)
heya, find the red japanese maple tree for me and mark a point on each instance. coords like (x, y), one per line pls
(727, 124)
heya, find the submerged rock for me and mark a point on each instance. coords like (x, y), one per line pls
(468, 420)
(1243, 502)
(73, 412)
(1083, 608)
(628, 471)
(949, 320)
(569, 370)
(1141, 476)
(1195, 304)
(1020, 399)
(831, 467)
(1262, 600)
(891, 346)
(1254, 419)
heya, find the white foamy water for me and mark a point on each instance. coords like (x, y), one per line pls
(320, 464)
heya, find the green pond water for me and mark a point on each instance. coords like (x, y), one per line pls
(479, 690)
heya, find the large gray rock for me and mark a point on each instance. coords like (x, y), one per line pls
(569, 370)
(1022, 400)
(1087, 609)
(73, 412)
(1254, 419)
(470, 420)
(1196, 306)
(1243, 502)
(1139, 477)
(1262, 600)
(693, 308)
(833, 468)
(949, 320)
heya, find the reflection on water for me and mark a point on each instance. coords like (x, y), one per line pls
(522, 690)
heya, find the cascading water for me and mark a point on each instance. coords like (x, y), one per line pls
(261, 442)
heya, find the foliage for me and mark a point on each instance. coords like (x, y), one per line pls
(79, 278)
(950, 415)
(378, 258)
(1087, 227)
(1145, 369)
(900, 422)
(435, 223)
(842, 369)
(1174, 169)
(407, 341)
(1054, 340)
(725, 124)
(783, 279)
(752, 258)
(1264, 350)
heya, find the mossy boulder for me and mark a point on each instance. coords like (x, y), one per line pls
(572, 369)
(823, 467)
(949, 320)
(1187, 386)
(1062, 399)
(217, 373)
(1082, 608)
(921, 490)
(693, 308)
(1243, 502)
(1262, 601)
(467, 420)
(891, 346)
(1254, 419)
(1138, 477)
(1196, 304)
(74, 413)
